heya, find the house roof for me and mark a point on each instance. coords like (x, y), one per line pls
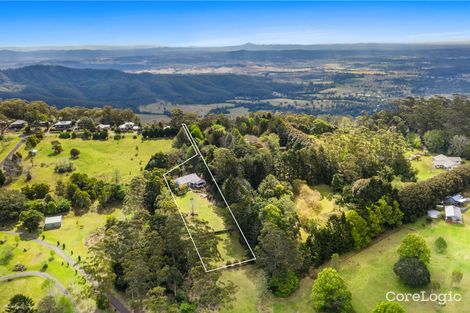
(459, 198)
(53, 219)
(18, 122)
(191, 178)
(64, 123)
(453, 211)
(445, 161)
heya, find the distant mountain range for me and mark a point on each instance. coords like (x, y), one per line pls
(64, 86)
(144, 58)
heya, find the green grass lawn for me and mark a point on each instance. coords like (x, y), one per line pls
(229, 247)
(369, 273)
(204, 209)
(6, 144)
(106, 160)
(424, 165)
(33, 287)
(34, 256)
(252, 295)
(76, 230)
(369, 276)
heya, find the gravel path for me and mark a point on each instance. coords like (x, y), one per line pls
(115, 302)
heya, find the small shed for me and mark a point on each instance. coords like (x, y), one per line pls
(52, 222)
(192, 180)
(453, 214)
(434, 214)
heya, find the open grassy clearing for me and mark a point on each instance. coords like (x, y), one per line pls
(76, 231)
(33, 287)
(252, 295)
(6, 144)
(315, 202)
(369, 276)
(423, 165)
(369, 273)
(110, 159)
(34, 256)
(231, 250)
(203, 208)
(425, 168)
(229, 247)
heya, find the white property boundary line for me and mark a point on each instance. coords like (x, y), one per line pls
(198, 153)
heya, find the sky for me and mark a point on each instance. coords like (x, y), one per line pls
(177, 23)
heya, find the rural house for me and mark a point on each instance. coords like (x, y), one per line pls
(457, 200)
(62, 125)
(191, 180)
(17, 125)
(446, 162)
(52, 222)
(453, 214)
(104, 127)
(127, 126)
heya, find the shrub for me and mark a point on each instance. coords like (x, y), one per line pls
(187, 307)
(64, 135)
(412, 271)
(388, 307)
(30, 219)
(414, 245)
(74, 153)
(284, 285)
(19, 268)
(44, 267)
(330, 294)
(64, 167)
(102, 301)
(441, 245)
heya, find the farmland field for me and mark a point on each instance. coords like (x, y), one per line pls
(33, 287)
(76, 230)
(35, 257)
(369, 274)
(6, 144)
(100, 159)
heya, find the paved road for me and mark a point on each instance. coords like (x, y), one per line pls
(15, 148)
(39, 274)
(115, 302)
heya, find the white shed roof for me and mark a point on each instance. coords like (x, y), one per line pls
(433, 213)
(53, 219)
